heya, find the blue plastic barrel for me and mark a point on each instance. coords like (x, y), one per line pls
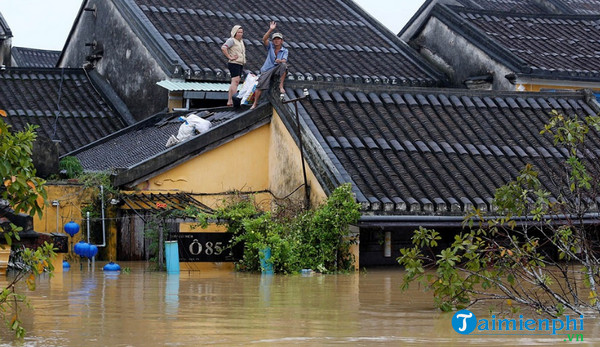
(172, 255)
(265, 264)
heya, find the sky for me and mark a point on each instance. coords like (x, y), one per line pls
(45, 24)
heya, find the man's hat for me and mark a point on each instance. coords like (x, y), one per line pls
(276, 35)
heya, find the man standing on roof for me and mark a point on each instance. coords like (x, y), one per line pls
(275, 63)
(235, 51)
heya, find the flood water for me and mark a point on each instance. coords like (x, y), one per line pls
(87, 307)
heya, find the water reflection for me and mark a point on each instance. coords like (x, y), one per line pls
(265, 288)
(92, 308)
(172, 295)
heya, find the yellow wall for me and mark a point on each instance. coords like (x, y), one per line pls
(265, 158)
(285, 166)
(72, 197)
(531, 87)
(175, 100)
(241, 165)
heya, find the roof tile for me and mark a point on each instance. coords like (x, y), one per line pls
(428, 154)
(549, 45)
(62, 102)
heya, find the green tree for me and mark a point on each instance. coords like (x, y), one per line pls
(541, 247)
(20, 191)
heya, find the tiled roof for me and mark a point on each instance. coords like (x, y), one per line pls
(581, 6)
(513, 6)
(63, 103)
(331, 40)
(435, 152)
(142, 146)
(30, 57)
(551, 46)
(530, 6)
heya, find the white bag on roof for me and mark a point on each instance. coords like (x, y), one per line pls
(200, 124)
(186, 130)
(246, 93)
(191, 124)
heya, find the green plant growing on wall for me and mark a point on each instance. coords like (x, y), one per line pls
(71, 166)
(522, 256)
(316, 239)
(24, 192)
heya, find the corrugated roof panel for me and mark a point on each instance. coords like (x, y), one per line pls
(193, 86)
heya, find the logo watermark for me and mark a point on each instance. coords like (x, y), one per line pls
(466, 323)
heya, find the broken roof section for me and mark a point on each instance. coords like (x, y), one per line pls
(331, 40)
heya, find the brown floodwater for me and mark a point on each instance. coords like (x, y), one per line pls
(87, 307)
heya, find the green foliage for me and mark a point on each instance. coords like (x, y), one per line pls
(521, 256)
(24, 193)
(71, 165)
(19, 186)
(35, 263)
(316, 239)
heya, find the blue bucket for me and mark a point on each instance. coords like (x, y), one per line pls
(172, 254)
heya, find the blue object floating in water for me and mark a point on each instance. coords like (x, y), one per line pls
(66, 264)
(111, 267)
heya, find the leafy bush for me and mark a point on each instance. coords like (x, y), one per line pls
(71, 166)
(316, 239)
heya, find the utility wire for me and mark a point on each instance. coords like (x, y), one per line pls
(62, 75)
